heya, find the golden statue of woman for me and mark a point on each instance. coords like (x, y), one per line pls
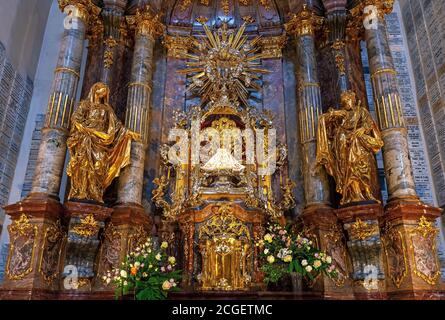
(99, 146)
(346, 143)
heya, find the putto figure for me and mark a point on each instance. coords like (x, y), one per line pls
(99, 146)
(346, 143)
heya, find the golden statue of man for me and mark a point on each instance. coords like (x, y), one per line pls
(346, 143)
(99, 146)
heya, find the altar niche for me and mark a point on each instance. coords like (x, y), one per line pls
(221, 204)
(221, 195)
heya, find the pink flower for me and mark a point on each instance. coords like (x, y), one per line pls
(162, 269)
(169, 268)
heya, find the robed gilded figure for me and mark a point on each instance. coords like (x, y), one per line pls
(99, 146)
(347, 140)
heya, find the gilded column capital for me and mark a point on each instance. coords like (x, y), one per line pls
(95, 31)
(147, 23)
(372, 8)
(272, 47)
(177, 46)
(304, 23)
(81, 9)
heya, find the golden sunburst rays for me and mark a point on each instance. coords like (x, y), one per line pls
(224, 66)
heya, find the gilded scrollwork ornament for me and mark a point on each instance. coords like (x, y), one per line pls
(23, 236)
(111, 248)
(147, 23)
(424, 251)
(87, 227)
(53, 239)
(395, 253)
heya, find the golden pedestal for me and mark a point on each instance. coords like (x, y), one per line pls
(219, 247)
(410, 245)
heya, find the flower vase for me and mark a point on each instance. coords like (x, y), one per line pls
(297, 282)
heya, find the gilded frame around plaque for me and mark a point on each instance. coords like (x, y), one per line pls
(426, 231)
(56, 229)
(392, 233)
(20, 228)
(334, 238)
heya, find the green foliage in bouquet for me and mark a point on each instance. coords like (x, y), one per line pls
(148, 272)
(283, 252)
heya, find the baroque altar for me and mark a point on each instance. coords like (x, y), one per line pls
(199, 121)
(218, 172)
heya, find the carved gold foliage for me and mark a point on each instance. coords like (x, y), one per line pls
(362, 230)
(225, 6)
(224, 223)
(81, 9)
(185, 4)
(177, 46)
(248, 19)
(147, 23)
(88, 227)
(202, 19)
(304, 23)
(110, 43)
(137, 237)
(265, 4)
(272, 47)
(23, 237)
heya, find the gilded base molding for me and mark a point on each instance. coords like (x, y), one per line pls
(86, 222)
(361, 224)
(320, 224)
(410, 243)
(128, 227)
(36, 238)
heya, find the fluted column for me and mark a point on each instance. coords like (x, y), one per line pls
(316, 186)
(148, 27)
(398, 169)
(129, 224)
(407, 227)
(335, 26)
(320, 223)
(51, 159)
(114, 38)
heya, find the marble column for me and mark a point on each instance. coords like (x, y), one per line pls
(318, 219)
(407, 227)
(389, 109)
(148, 27)
(37, 231)
(335, 25)
(309, 103)
(52, 152)
(115, 34)
(130, 225)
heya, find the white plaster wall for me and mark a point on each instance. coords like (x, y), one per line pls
(22, 25)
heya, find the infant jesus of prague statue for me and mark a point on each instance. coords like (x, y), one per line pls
(347, 140)
(99, 146)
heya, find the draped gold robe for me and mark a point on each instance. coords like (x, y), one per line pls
(346, 143)
(99, 147)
